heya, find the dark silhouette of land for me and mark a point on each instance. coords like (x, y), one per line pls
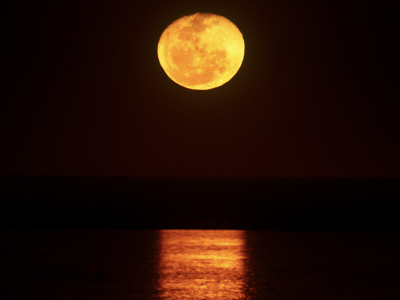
(226, 203)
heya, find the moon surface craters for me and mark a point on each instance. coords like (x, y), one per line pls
(195, 51)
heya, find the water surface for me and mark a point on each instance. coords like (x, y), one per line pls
(198, 264)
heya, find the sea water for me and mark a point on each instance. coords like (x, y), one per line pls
(198, 264)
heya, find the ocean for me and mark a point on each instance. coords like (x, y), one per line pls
(198, 264)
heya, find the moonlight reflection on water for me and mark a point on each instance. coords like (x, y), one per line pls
(202, 264)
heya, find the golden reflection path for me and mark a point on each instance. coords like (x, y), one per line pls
(202, 264)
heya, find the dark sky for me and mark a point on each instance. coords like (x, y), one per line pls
(85, 93)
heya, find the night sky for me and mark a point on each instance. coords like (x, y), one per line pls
(85, 93)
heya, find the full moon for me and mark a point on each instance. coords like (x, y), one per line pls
(201, 51)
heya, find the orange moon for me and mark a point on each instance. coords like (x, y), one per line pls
(201, 51)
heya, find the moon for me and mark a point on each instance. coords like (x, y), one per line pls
(201, 51)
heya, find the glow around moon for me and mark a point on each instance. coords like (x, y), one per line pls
(201, 51)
